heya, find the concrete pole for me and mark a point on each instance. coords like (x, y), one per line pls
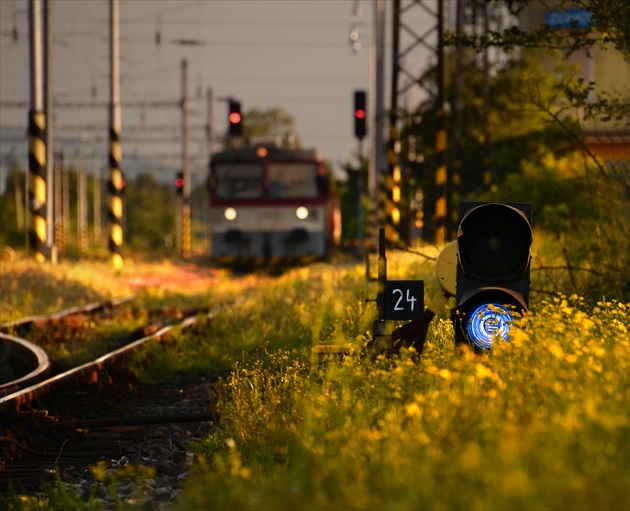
(209, 101)
(51, 247)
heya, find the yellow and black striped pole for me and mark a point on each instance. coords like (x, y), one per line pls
(186, 232)
(115, 208)
(37, 193)
(390, 191)
(441, 178)
(115, 187)
(440, 181)
(391, 180)
(37, 185)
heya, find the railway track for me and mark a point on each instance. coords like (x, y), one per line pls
(23, 363)
(59, 423)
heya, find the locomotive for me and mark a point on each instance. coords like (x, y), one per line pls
(271, 205)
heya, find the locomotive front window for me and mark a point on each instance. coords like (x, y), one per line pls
(234, 181)
(292, 180)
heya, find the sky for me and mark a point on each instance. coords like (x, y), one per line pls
(290, 54)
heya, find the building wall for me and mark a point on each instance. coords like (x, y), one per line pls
(603, 65)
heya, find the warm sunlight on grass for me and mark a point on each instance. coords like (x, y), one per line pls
(541, 422)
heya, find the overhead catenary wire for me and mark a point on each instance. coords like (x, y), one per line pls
(149, 65)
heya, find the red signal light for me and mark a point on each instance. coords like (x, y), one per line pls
(235, 127)
(360, 127)
(179, 183)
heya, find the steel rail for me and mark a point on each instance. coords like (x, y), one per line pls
(28, 353)
(72, 311)
(89, 371)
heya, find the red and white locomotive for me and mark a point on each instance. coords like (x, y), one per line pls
(270, 204)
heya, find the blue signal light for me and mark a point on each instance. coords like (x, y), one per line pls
(487, 323)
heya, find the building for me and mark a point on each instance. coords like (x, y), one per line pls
(604, 66)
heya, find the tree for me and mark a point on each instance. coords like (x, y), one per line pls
(574, 191)
(12, 212)
(150, 213)
(611, 24)
(518, 129)
(269, 125)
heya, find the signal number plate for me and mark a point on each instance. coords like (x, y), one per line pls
(404, 299)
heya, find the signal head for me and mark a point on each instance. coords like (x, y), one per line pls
(235, 118)
(360, 125)
(494, 243)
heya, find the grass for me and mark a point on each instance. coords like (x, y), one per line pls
(28, 288)
(78, 340)
(541, 422)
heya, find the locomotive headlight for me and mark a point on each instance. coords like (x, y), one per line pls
(229, 214)
(301, 213)
(487, 323)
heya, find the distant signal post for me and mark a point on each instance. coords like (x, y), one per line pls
(360, 130)
(235, 123)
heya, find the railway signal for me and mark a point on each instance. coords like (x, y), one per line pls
(493, 257)
(179, 183)
(360, 115)
(235, 119)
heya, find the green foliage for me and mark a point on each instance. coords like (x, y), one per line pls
(540, 423)
(268, 125)
(150, 213)
(29, 289)
(536, 127)
(582, 223)
(13, 232)
(300, 309)
(135, 476)
(611, 25)
(53, 498)
(348, 194)
(519, 128)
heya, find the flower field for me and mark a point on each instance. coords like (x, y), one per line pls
(542, 422)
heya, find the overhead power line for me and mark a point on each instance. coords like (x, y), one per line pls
(166, 128)
(95, 104)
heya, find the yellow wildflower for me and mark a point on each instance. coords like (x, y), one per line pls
(555, 349)
(413, 410)
(445, 373)
(482, 371)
